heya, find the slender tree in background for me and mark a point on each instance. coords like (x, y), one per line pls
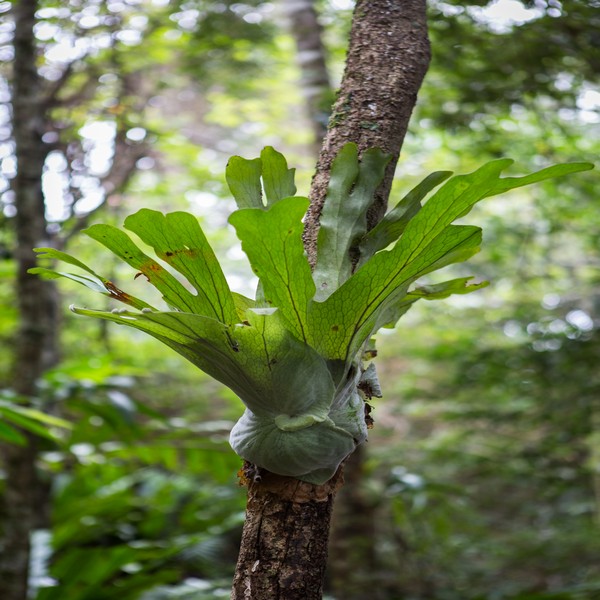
(36, 347)
(287, 521)
(36, 342)
(315, 83)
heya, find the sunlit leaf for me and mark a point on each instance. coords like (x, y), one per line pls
(178, 240)
(272, 240)
(293, 353)
(205, 342)
(345, 320)
(243, 179)
(508, 183)
(390, 316)
(259, 360)
(391, 227)
(97, 283)
(30, 420)
(174, 293)
(341, 324)
(446, 289)
(247, 178)
(242, 304)
(38, 415)
(278, 180)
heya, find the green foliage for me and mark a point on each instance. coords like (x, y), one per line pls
(393, 224)
(14, 417)
(228, 39)
(272, 241)
(505, 426)
(294, 355)
(140, 500)
(522, 70)
(497, 434)
(247, 178)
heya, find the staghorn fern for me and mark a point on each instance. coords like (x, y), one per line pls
(294, 354)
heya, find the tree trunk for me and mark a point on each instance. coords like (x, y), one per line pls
(284, 543)
(36, 342)
(315, 83)
(283, 553)
(387, 60)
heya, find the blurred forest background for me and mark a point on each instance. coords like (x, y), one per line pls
(481, 479)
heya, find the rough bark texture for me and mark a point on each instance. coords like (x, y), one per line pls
(284, 544)
(35, 345)
(315, 84)
(387, 60)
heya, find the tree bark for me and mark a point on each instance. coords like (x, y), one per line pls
(36, 342)
(283, 553)
(388, 57)
(314, 82)
(284, 543)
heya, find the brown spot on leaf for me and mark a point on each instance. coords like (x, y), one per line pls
(335, 328)
(116, 293)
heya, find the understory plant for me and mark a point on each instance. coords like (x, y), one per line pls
(298, 354)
